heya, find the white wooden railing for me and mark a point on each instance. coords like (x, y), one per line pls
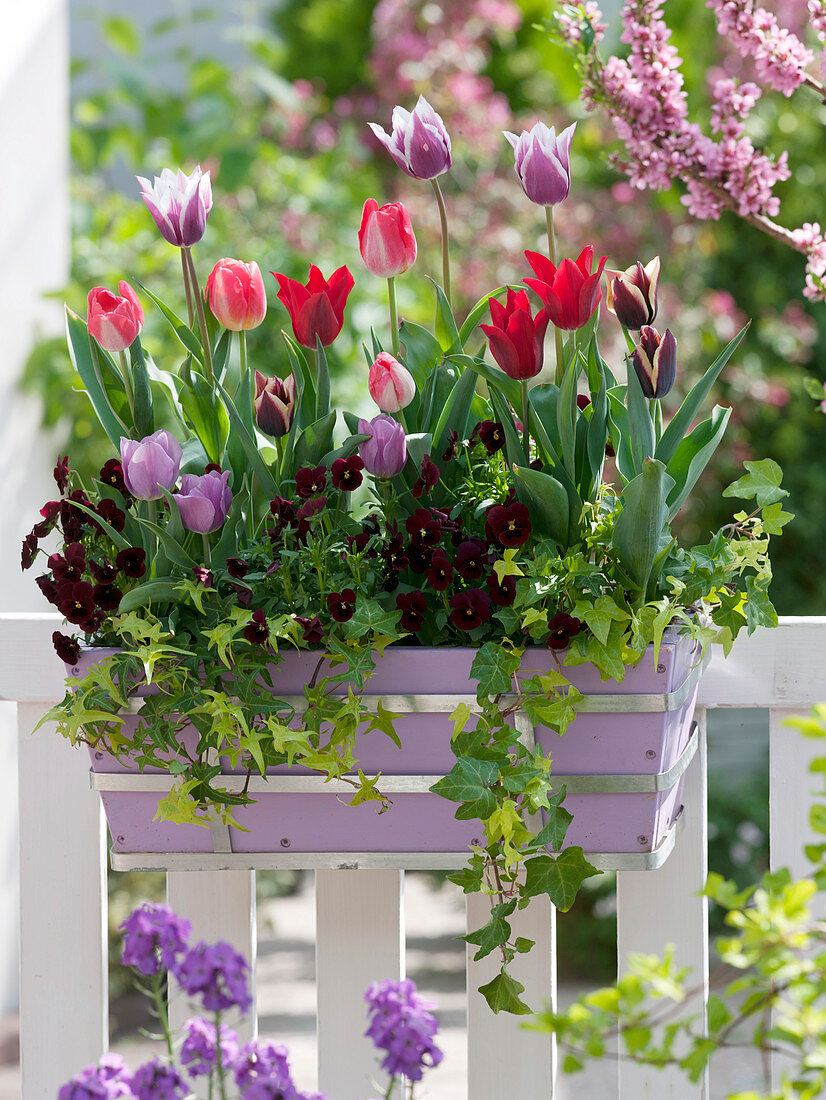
(360, 915)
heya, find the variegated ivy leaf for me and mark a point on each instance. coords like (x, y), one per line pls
(506, 566)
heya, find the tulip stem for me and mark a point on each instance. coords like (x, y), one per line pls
(127, 383)
(526, 437)
(440, 199)
(242, 348)
(93, 348)
(658, 419)
(205, 538)
(279, 446)
(394, 316)
(560, 357)
(202, 323)
(189, 309)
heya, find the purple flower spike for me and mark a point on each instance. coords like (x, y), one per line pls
(218, 973)
(261, 1062)
(156, 1081)
(151, 464)
(402, 1025)
(542, 162)
(419, 144)
(179, 203)
(204, 501)
(385, 452)
(153, 937)
(199, 1052)
(108, 1080)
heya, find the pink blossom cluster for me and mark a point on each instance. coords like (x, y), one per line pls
(779, 56)
(732, 103)
(810, 240)
(817, 20)
(570, 24)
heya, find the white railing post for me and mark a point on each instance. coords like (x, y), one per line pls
(656, 908)
(359, 940)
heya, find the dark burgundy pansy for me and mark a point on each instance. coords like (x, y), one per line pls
(312, 628)
(424, 529)
(108, 510)
(394, 554)
(342, 605)
(72, 520)
(203, 576)
(502, 594)
(256, 629)
(308, 510)
(508, 524)
(428, 479)
(413, 606)
(309, 481)
(491, 435)
(41, 529)
(111, 473)
(418, 558)
(561, 628)
(76, 601)
(244, 594)
(470, 559)
(346, 473)
(439, 573)
(212, 468)
(29, 550)
(237, 568)
(107, 596)
(67, 649)
(282, 509)
(452, 448)
(103, 571)
(131, 562)
(61, 473)
(70, 565)
(469, 609)
(48, 587)
(93, 623)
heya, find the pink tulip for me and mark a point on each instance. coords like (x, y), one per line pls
(114, 320)
(390, 383)
(386, 240)
(236, 294)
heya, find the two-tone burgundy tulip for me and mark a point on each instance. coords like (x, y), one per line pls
(385, 452)
(236, 295)
(151, 464)
(516, 337)
(419, 143)
(386, 239)
(114, 320)
(316, 308)
(655, 361)
(179, 203)
(204, 501)
(390, 383)
(274, 404)
(632, 294)
(542, 162)
(570, 293)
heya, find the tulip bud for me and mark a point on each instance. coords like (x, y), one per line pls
(236, 295)
(114, 321)
(655, 361)
(419, 143)
(391, 385)
(542, 162)
(204, 501)
(632, 294)
(386, 240)
(151, 464)
(385, 452)
(179, 203)
(274, 404)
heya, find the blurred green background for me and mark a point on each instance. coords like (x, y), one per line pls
(275, 101)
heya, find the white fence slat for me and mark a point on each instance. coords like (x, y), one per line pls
(656, 908)
(359, 940)
(221, 906)
(790, 792)
(504, 1060)
(64, 976)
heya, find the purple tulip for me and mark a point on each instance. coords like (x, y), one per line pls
(542, 162)
(274, 404)
(204, 501)
(179, 203)
(419, 144)
(655, 361)
(385, 452)
(151, 464)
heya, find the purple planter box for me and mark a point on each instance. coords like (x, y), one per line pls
(630, 748)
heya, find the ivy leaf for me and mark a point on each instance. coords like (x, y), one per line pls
(560, 877)
(470, 877)
(383, 721)
(502, 994)
(558, 821)
(759, 608)
(496, 932)
(599, 615)
(494, 666)
(506, 567)
(370, 617)
(460, 718)
(468, 782)
(367, 791)
(761, 482)
(775, 519)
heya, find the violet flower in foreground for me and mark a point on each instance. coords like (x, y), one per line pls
(153, 938)
(199, 1051)
(385, 452)
(542, 162)
(204, 502)
(151, 464)
(179, 203)
(218, 973)
(419, 143)
(402, 1025)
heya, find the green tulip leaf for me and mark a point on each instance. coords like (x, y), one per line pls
(157, 591)
(476, 314)
(207, 416)
(692, 456)
(640, 424)
(80, 353)
(258, 466)
(315, 441)
(547, 502)
(638, 530)
(184, 333)
(142, 389)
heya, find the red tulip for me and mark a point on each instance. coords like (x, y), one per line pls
(570, 292)
(386, 240)
(516, 338)
(114, 321)
(317, 308)
(236, 294)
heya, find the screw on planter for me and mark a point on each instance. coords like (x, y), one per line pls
(76, 671)
(660, 668)
(285, 842)
(474, 840)
(98, 756)
(121, 840)
(642, 840)
(650, 754)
